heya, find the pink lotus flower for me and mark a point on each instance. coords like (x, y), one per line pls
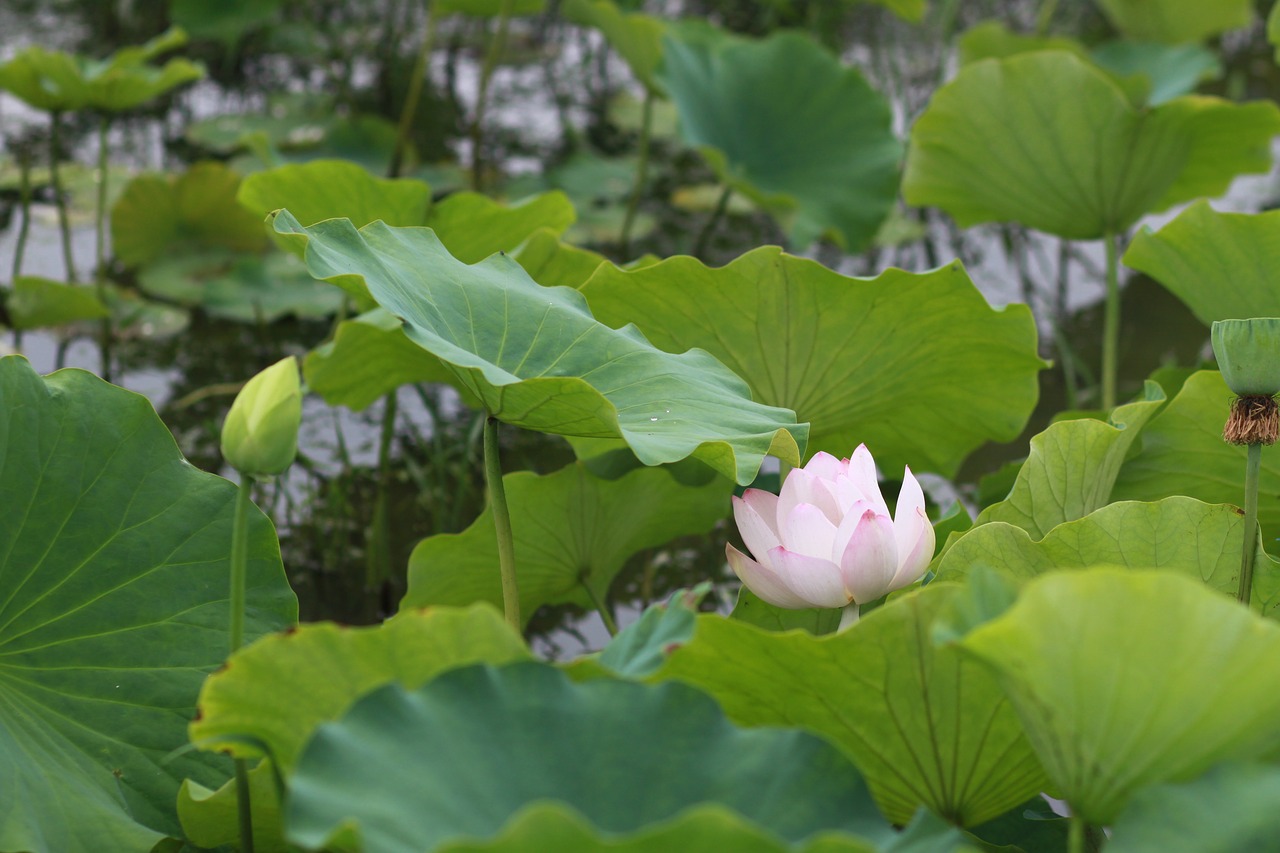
(828, 540)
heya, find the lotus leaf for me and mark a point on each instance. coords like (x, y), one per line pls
(924, 725)
(226, 21)
(753, 610)
(636, 37)
(198, 209)
(39, 302)
(54, 81)
(113, 608)
(257, 288)
(1073, 467)
(210, 819)
(488, 8)
(1176, 21)
(857, 358)
(573, 532)
(1178, 533)
(535, 357)
(826, 164)
(325, 189)
(1221, 265)
(255, 699)
(1085, 163)
(390, 769)
(1194, 686)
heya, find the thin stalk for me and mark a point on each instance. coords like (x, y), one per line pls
(1075, 834)
(1111, 324)
(849, 617)
(491, 58)
(1045, 17)
(24, 228)
(100, 253)
(1253, 466)
(64, 222)
(642, 173)
(379, 565)
(704, 235)
(601, 608)
(239, 569)
(411, 98)
(501, 523)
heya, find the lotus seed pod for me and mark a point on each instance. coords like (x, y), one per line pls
(260, 434)
(1248, 353)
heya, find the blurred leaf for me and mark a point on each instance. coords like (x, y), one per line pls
(40, 302)
(1176, 21)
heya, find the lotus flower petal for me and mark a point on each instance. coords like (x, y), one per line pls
(802, 487)
(815, 580)
(870, 559)
(808, 530)
(763, 581)
(756, 515)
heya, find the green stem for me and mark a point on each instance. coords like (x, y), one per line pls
(1075, 835)
(379, 567)
(1111, 324)
(1253, 466)
(24, 228)
(64, 222)
(411, 98)
(601, 608)
(1045, 16)
(642, 171)
(239, 568)
(100, 253)
(244, 805)
(704, 235)
(501, 523)
(491, 58)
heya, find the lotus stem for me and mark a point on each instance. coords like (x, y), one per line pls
(1075, 834)
(411, 98)
(848, 617)
(642, 173)
(239, 570)
(496, 47)
(100, 252)
(501, 523)
(379, 555)
(603, 609)
(1111, 324)
(1248, 548)
(704, 236)
(64, 221)
(24, 229)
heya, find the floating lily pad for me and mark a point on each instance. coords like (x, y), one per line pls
(959, 749)
(255, 698)
(857, 358)
(1086, 163)
(826, 164)
(113, 609)
(535, 357)
(573, 532)
(1194, 686)
(1219, 264)
(1179, 534)
(391, 768)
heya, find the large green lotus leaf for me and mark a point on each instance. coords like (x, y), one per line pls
(255, 699)
(636, 37)
(857, 358)
(1125, 679)
(1181, 534)
(573, 532)
(1086, 162)
(754, 610)
(551, 826)
(535, 357)
(925, 725)
(369, 357)
(1176, 21)
(1073, 467)
(827, 163)
(392, 767)
(473, 227)
(39, 302)
(1183, 453)
(551, 262)
(1228, 809)
(327, 189)
(56, 82)
(1219, 264)
(114, 556)
(257, 288)
(197, 209)
(994, 40)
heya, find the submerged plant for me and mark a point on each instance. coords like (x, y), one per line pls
(828, 539)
